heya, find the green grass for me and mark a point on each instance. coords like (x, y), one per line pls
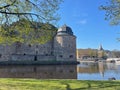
(38, 84)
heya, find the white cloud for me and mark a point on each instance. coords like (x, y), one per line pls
(77, 14)
(83, 21)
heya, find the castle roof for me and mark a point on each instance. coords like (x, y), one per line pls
(64, 30)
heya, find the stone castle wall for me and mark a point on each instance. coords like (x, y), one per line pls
(61, 48)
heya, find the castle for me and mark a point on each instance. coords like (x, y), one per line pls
(61, 48)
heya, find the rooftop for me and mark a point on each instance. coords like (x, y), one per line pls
(64, 30)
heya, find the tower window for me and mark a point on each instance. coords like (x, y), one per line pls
(0, 55)
(61, 56)
(71, 56)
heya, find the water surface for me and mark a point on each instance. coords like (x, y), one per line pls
(98, 71)
(83, 71)
(39, 71)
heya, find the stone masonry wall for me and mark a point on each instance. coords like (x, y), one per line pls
(65, 47)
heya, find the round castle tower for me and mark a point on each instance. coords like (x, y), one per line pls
(65, 44)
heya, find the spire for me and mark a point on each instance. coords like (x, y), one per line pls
(100, 47)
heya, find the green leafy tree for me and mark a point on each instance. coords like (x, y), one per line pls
(25, 32)
(112, 9)
(20, 19)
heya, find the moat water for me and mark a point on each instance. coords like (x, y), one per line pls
(83, 71)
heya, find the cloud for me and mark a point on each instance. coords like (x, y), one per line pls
(83, 21)
(78, 14)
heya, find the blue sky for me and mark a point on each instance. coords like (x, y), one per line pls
(88, 24)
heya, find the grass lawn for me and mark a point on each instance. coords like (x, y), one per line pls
(38, 84)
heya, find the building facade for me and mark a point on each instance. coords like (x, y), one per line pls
(61, 48)
(89, 53)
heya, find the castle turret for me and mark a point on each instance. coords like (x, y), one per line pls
(65, 44)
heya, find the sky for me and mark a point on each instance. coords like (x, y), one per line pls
(88, 24)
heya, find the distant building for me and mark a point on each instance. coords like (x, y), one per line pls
(91, 53)
(86, 53)
(61, 48)
(101, 52)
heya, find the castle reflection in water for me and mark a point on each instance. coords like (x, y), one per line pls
(39, 72)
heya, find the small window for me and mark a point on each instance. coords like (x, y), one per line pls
(61, 56)
(35, 58)
(46, 54)
(29, 45)
(0, 55)
(71, 56)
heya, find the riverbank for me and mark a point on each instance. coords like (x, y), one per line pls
(38, 84)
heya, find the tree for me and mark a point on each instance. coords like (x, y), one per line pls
(112, 9)
(38, 10)
(25, 32)
(29, 13)
(116, 53)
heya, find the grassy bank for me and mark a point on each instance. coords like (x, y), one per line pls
(33, 84)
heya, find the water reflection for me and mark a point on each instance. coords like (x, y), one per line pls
(42, 72)
(83, 71)
(98, 71)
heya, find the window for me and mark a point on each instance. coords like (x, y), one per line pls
(60, 56)
(71, 56)
(35, 58)
(29, 45)
(46, 54)
(0, 55)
